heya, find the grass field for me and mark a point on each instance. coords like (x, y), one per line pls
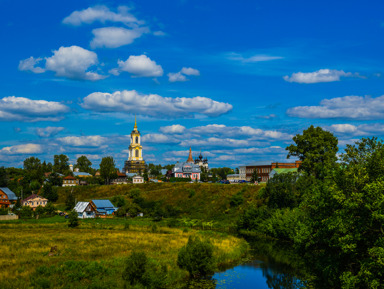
(93, 255)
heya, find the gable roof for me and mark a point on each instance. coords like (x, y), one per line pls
(70, 178)
(81, 206)
(11, 195)
(283, 171)
(77, 174)
(33, 196)
(103, 204)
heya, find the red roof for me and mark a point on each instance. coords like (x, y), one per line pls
(69, 178)
(32, 197)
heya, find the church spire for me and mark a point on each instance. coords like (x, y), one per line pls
(135, 127)
(190, 159)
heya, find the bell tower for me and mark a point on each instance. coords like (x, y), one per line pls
(135, 162)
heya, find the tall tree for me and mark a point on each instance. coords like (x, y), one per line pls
(84, 164)
(255, 176)
(50, 192)
(60, 164)
(317, 149)
(33, 168)
(3, 177)
(108, 169)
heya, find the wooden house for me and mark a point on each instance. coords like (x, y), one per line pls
(70, 181)
(85, 210)
(103, 207)
(7, 197)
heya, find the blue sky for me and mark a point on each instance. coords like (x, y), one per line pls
(235, 79)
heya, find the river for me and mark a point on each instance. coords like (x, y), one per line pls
(274, 265)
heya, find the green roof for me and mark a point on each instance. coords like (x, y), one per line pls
(283, 171)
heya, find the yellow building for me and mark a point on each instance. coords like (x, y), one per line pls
(34, 201)
(135, 162)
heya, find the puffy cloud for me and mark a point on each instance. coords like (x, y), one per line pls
(154, 105)
(29, 148)
(24, 109)
(349, 107)
(368, 129)
(343, 128)
(29, 64)
(83, 141)
(214, 141)
(158, 138)
(322, 75)
(101, 14)
(73, 62)
(223, 130)
(181, 75)
(176, 77)
(113, 37)
(176, 128)
(252, 59)
(48, 131)
(139, 66)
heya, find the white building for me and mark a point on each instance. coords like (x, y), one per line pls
(242, 173)
(85, 210)
(137, 180)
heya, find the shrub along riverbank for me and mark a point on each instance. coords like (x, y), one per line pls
(44, 254)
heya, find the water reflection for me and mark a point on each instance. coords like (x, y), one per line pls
(274, 266)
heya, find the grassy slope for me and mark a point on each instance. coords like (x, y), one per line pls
(197, 201)
(92, 256)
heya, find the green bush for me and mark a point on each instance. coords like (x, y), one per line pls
(142, 270)
(25, 212)
(3, 211)
(73, 220)
(118, 201)
(197, 257)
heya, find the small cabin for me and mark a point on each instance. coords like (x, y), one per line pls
(85, 210)
(103, 207)
(34, 201)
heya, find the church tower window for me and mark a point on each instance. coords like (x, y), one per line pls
(137, 153)
(137, 139)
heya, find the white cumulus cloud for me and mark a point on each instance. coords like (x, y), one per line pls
(154, 105)
(176, 128)
(73, 62)
(349, 107)
(322, 75)
(29, 148)
(29, 64)
(139, 66)
(24, 109)
(253, 58)
(83, 141)
(181, 75)
(48, 131)
(101, 14)
(113, 37)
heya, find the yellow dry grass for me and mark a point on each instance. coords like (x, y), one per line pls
(25, 247)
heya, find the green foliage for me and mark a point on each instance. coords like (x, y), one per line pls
(33, 168)
(118, 201)
(60, 164)
(255, 176)
(180, 180)
(73, 219)
(222, 172)
(25, 212)
(281, 191)
(192, 193)
(134, 193)
(144, 271)
(50, 192)
(3, 177)
(197, 257)
(3, 211)
(317, 149)
(108, 169)
(39, 211)
(84, 164)
(237, 199)
(55, 180)
(35, 186)
(130, 209)
(70, 201)
(50, 210)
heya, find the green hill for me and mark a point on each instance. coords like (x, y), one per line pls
(197, 201)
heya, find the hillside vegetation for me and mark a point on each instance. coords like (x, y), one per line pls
(198, 201)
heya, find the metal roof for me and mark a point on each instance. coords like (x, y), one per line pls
(81, 206)
(260, 163)
(103, 204)
(81, 174)
(186, 168)
(11, 195)
(285, 170)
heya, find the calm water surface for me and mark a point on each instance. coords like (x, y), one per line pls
(273, 267)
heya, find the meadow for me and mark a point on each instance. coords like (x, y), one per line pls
(46, 253)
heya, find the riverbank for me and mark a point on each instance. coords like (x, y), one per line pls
(47, 254)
